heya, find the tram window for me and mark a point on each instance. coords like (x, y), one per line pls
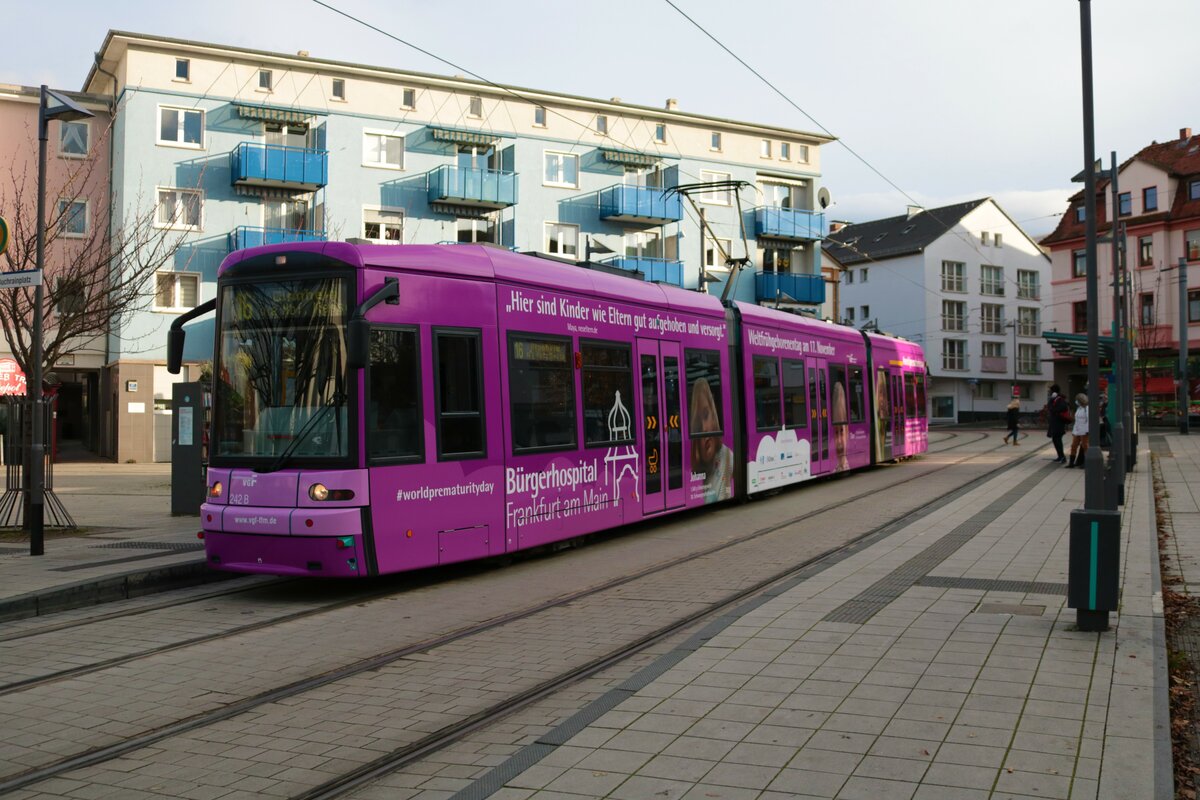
(459, 382)
(607, 394)
(910, 394)
(857, 412)
(766, 393)
(795, 403)
(541, 382)
(704, 392)
(920, 409)
(394, 395)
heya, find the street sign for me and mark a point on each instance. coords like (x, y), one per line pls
(3, 235)
(12, 379)
(20, 279)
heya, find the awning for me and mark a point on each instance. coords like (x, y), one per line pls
(268, 114)
(628, 157)
(460, 136)
(1075, 345)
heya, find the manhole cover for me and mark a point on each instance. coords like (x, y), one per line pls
(1010, 608)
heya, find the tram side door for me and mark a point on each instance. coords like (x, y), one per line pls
(818, 411)
(660, 372)
(899, 445)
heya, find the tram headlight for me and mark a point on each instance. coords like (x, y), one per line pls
(215, 490)
(318, 492)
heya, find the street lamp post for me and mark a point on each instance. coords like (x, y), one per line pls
(65, 110)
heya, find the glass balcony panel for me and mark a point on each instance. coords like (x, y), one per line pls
(776, 222)
(245, 236)
(279, 165)
(654, 270)
(789, 287)
(473, 186)
(645, 204)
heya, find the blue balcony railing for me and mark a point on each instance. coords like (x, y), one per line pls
(244, 236)
(777, 222)
(488, 188)
(279, 165)
(655, 270)
(789, 287)
(640, 204)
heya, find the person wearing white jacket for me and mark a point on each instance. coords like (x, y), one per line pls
(1079, 433)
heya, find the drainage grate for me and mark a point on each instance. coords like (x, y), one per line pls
(179, 547)
(992, 585)
(872, 600)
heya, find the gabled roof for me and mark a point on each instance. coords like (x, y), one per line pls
(895, 236)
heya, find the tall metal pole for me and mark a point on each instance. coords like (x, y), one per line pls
(1093, 482)
(1117, 448)
(1185, 399)
(37, 446)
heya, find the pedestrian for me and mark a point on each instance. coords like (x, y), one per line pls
(1058, 416)
(1012, 413)
(1079, 433)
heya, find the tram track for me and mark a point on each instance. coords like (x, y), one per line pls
(197, 721)
(85, 669)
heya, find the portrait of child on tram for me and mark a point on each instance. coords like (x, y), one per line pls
(710, 456)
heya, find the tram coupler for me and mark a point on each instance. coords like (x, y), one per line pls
(1093, 569)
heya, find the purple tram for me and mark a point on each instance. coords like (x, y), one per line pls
(387, 408)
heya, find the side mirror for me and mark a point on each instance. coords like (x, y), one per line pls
(175, 338)
(358, 343)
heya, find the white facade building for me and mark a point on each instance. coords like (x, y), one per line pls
(967, 284)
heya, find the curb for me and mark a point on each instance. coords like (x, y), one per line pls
(108, 589)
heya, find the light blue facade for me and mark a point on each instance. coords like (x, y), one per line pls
(242, 176)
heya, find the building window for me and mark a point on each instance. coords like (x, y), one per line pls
(475, 107)
(785, 151)
(562, 240)
(408, 99)
(1028, 359)
(1194, 305)
(993, 349)
(561, 169)
(1079, 263)
(660, 133)
(643, 244)
(717, 197)
(339, 89)
(179, 209)
(183, 69)
(1146, 306)
(954, 276)
(780, 259)
(459, 384)
(764, 148)
(1149, 199)
(394, 395)
(1029, 321)
(73, 218)
(73, 139)
(1145, 251)
(1079, 316)
(1028, 285)
(991, 280)
(998, 239)
(802, 153)
(539, 116)
(1191, 244)
(714, 142)
(864, 313)
(175, 291)
(607, 389)
(1194, 190)
(1124, 204)
(383, 150)
(716, 251)
(985, 238)
(849, 313)
(780, 194)
(601, 123)
(991, 317)
(383, 225)
(182, 127)
(954, 315)
(265, 80)
(848, 277)
(1080, 213)
(863, 274)
(473, 230)
(541, 381)
(954, 354)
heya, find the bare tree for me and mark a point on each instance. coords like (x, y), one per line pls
(97, 273)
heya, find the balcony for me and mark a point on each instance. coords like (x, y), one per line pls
(244, 236)
(654, 270)
(648, 205)
(469, 186)
(789, 287)
(994, 364)
(776, 222)
(279, 166)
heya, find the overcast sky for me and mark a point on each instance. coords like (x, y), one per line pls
(950, 99)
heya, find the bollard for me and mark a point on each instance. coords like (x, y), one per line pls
(1093, 567)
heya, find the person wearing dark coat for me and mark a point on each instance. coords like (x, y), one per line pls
(1012, 420)
(1058, 416)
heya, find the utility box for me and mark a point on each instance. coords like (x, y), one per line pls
(1093, 572)
(187, 448)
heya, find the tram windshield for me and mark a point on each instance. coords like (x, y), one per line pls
(282, 387)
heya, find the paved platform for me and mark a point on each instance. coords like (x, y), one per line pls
(940, 662)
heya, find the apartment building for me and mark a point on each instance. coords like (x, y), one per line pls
(1158, 223)
(238, 147)
(966, 283)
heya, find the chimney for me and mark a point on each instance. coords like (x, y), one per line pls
(615, 100)
(1185, 133)
(672, 104)
(914, 210)
(836, 225)
(302, 53)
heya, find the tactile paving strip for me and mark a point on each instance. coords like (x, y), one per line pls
(992, 585)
